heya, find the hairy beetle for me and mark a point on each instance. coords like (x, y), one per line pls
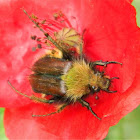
(69, 78)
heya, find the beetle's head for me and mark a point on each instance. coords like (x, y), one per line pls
(104, 83)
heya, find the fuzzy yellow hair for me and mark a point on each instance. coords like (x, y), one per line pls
(77, 80)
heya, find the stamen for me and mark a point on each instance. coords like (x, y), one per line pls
(45, 33)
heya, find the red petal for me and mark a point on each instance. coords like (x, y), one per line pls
(130, 1)
(72, 123)
(111, 34)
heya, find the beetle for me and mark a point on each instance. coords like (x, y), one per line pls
(70, 78)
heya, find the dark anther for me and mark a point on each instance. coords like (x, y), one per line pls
(33, 49)
(33, 37)
(37, 23)
(38, 39)
(46, 34)
(43, 22)
(39, 46)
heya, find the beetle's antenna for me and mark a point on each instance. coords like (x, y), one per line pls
(45, 33)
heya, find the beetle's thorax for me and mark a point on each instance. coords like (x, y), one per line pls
(78, 78)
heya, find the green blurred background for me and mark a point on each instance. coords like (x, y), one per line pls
(127, 128)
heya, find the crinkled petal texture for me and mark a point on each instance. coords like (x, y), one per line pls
(111, 35)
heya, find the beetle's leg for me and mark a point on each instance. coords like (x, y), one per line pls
(86, 104)
(18, 91)
(58, 111)
(32, 97)
(48, 93)
(109, 91)
(101, 63)
(114, 78)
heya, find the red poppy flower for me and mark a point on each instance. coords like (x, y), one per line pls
(111, 35)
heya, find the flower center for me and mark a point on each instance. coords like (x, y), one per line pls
(61, 32)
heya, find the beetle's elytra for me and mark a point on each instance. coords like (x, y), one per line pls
(69, 78)
(47, 75)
